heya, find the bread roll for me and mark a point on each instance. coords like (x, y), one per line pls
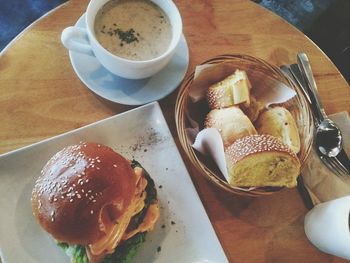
(280, 123)
(231, 122)
(261, 160)
(254, 109)
(233, 90)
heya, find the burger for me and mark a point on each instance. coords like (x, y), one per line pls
(96, 204)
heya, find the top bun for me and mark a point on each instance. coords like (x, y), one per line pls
(74, 188)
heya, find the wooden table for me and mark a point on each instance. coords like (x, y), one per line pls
(40, 96)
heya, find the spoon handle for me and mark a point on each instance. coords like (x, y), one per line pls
(305, 68)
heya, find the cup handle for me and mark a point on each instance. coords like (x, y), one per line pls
(72, 38)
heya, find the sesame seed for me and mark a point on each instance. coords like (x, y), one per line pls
(255, 144)
(92, 211)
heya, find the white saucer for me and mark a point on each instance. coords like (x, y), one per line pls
(125, 91)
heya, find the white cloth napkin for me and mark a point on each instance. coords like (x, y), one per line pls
(321, 183)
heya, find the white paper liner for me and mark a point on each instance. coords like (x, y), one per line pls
(209, 142)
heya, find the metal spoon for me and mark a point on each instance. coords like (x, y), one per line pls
(329, 140)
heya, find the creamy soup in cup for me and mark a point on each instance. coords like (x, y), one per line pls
(133, 39)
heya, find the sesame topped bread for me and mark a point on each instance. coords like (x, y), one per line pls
(233, 90)
(261, 160)
(260, 144)
(231, 122)
(279, 122)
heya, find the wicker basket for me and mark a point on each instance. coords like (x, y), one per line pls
(298, 106)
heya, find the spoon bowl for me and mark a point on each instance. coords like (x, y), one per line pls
(328, 138)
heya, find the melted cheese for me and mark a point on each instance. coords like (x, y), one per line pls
(115, 232)
(148, 222)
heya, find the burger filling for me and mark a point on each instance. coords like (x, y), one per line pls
(126, 233)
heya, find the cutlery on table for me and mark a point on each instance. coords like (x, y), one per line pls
(329, 140)
(333, 163)
(336, 164)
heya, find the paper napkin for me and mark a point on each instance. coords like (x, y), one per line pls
(321, 183)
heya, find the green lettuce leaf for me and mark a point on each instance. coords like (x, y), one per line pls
(124, 253)
(77, 253)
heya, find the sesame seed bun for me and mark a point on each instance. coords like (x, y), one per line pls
(76, 186)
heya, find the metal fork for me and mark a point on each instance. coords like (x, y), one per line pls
(293, 74)
(334, 165)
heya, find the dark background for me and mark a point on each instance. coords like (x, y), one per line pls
(326, 22)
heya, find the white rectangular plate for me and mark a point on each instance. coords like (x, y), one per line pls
(183, 233)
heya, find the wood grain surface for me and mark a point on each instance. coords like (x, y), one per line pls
(40, 96)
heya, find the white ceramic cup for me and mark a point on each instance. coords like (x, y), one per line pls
(73, 39)
(327, 227)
